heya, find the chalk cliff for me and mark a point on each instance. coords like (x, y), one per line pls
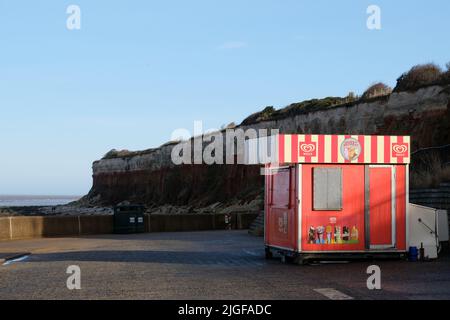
(150, 177)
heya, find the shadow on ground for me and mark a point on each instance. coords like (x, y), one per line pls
(165, 257)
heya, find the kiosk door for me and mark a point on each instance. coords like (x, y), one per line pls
(281, 217)
(381, 207)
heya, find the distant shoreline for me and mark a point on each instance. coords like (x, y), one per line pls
(7, 201)
(37, 196)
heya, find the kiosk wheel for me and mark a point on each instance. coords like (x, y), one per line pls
(300, 260)
(268, 253)
(287, 259)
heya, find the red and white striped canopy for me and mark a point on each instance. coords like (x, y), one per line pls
(315, 148)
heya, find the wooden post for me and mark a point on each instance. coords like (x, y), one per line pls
(10, 228)
(79, 225)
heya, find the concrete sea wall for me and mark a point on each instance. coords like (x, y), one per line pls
(14, 228)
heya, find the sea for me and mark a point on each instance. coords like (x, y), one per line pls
(28, 201)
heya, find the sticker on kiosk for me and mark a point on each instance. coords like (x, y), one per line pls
(333, 235)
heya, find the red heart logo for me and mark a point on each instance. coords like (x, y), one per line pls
(400, 148)
(308, 148)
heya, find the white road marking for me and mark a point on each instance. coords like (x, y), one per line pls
(333, 294)
(252, 253)
(15, 260)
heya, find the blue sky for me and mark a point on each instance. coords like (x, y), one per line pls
(137, 70)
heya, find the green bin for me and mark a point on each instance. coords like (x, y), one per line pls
(129, 219)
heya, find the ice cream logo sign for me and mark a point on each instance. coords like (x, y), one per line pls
(400, 150)
(308, 149)
(350, 149)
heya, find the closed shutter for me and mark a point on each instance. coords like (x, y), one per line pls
(327, 190)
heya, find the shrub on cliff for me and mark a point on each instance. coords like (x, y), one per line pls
(263, 115)
(351, 97)
(419, 76)
(116, 154)
(267, 113)
(231, 125)
(110, 154)
(314, 104)
(445, 78)
(376, 90)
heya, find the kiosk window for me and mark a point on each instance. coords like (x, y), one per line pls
(327, 189)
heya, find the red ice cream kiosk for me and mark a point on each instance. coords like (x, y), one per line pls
(330, 196)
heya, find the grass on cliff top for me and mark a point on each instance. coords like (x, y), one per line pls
(112, 154)
(269, 113)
